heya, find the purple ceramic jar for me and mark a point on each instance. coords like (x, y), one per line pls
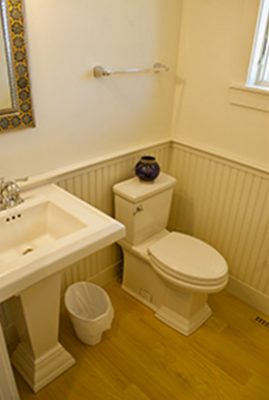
(147, 168)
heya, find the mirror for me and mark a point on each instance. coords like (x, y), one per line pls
(15, 97)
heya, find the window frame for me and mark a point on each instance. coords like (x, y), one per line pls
(258, 74)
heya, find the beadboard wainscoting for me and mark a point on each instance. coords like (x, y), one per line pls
(222, 202)
(93, 183)
(226, 204)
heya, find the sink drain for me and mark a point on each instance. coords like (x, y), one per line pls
(28, 250)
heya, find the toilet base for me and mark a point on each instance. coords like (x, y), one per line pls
(186, 326)
(183, 310)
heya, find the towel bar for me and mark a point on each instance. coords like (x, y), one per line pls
(99, 71)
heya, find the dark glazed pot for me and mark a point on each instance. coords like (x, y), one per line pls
(147, 168)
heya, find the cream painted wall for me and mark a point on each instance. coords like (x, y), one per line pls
(214, 51)
(77, 116)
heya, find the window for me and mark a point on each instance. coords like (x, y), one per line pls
(259, 65)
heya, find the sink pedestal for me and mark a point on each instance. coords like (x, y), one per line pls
(39, 357)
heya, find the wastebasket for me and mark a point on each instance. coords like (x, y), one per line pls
(90, 311)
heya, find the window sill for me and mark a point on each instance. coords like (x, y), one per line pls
(249, 97)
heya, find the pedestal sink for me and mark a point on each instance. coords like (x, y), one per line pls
(50, 230)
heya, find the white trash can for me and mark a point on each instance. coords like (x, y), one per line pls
(90, 311)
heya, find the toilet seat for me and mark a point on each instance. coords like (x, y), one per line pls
(183, 258)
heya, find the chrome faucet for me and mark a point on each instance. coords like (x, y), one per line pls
(10, 193)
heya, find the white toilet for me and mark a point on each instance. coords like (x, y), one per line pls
(170, 272)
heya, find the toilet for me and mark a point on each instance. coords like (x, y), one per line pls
(170, 272)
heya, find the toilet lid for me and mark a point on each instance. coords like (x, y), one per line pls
(185, 257)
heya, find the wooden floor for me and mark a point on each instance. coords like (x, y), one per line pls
(140, 358)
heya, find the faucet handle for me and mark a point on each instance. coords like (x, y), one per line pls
(13, 187)
(9, 193)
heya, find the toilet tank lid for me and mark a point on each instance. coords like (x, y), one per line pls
(136, 190)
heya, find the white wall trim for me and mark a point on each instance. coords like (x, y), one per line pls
(249, 295)
(62, 173)
(249, 97)
(220, 155)
(94, 163)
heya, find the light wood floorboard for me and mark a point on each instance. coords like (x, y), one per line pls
(140, 358)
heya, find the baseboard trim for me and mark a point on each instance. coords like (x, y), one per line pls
(107, 275)
(249, 295)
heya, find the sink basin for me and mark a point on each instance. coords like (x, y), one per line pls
(50, 230)
(29, 229)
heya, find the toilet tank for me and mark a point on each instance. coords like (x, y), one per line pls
(143, 207)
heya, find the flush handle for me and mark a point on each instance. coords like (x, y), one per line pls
(138, 209)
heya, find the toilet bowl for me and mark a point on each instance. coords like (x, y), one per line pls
(170, 272)
(189, 263)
